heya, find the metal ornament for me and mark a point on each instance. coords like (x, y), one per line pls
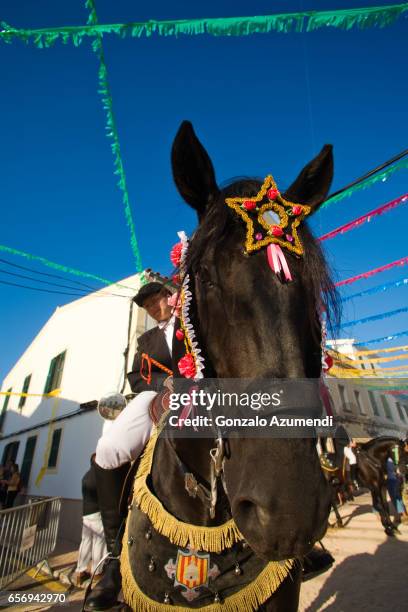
(148, 534)
(237, 570)
(111, 405)
(152, 565)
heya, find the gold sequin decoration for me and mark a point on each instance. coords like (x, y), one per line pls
(281, 207)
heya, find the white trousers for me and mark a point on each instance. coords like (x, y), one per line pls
(125, 439)
(93, 544)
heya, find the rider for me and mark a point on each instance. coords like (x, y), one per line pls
(124, 441)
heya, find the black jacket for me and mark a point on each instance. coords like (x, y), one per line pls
(153, 343)
(90, 503)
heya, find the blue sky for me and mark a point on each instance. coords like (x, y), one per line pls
(261, 104)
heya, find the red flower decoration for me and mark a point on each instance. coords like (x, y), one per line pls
(176, 279)
(249, 205)
(179, 334)
(327, 362)
(175, 254)
(272, 193)
(277, 231)
(297, 210)
(186, 366)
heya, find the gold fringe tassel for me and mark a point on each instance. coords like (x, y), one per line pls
(210, 539)
(249, 598)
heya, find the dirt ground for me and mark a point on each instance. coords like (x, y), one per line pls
(371, 569)
(370, 572)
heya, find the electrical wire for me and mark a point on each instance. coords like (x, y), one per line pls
(43, 282)
(42, 290)
(9, 263)
(96, 295)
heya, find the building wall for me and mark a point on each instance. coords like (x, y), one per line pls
(94, 333)
(361, 417)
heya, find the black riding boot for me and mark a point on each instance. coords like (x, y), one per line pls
(316, 562)
(109, 484)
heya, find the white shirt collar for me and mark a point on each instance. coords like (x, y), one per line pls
(169, 322)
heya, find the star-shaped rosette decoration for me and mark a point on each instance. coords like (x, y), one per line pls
(270, 219)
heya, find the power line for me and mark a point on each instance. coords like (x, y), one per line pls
(99, 295)
(369, 174)
(37, 280)
(9, 263)
(42, 290)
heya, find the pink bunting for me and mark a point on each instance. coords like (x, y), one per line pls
(365, 218)
(353, 279)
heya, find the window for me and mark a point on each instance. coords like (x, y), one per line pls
(55, 444)
(373, 403)
(26, 384)
(10, 452)
(343, 398)
(28, 460)
(386, 407)
(400, 411)
(5, 406)
(55, 373)
(357, 396)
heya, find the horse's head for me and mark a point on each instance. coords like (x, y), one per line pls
(252, 325)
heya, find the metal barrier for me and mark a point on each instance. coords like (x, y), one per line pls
(28, 535)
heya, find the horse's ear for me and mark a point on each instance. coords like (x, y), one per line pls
(313, 183)
(193, 171)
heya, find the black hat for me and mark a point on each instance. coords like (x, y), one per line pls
(146, 291)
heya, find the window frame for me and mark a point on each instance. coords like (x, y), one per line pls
(386, 408)
(374, 405)
(55, 372)
(25, 388)
(54, 468)
(5, 407)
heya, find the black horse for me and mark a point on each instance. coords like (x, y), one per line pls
(274, 502)
(371, 470)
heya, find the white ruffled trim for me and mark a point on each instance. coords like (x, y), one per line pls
(185, 307)
(189, 329)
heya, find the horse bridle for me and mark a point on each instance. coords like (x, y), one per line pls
(208, 496)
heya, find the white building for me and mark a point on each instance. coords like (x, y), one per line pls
(80, 350)
(365, 410)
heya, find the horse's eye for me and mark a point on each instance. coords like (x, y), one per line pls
(204, 277)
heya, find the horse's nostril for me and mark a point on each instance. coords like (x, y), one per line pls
(250, 512)
(245, 507)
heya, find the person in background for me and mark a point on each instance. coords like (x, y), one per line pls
(349, 453)
(13, 485)
(394, 488)
(93, 544)
(3, 487)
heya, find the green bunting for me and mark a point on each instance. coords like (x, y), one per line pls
(307, 21)
(112, 133)
(369, 182)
